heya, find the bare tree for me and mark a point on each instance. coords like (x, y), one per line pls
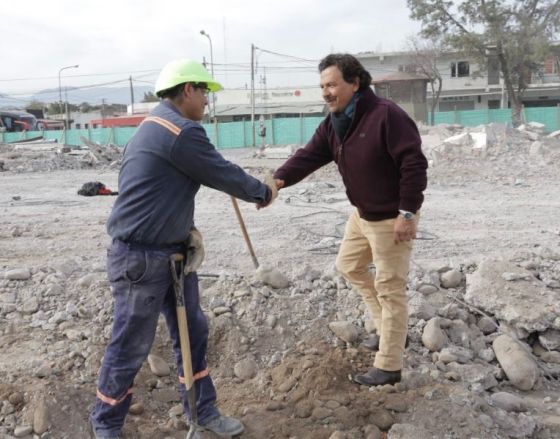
(424, 56)
(518, 33)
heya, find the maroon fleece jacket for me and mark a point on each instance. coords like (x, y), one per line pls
(380, 159)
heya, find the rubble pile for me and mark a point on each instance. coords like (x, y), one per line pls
(40, 157)
(478, 342)
(494, 152)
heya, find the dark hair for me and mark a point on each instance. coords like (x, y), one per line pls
(172, 92)
(350, 67)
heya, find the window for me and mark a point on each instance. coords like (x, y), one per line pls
(460, 69)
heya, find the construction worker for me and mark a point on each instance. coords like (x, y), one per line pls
(164, 164)
(377, 148)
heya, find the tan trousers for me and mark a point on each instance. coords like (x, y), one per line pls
(385, 294)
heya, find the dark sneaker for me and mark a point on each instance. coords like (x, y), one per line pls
(224, 426)
(372, 343)
(378, 377)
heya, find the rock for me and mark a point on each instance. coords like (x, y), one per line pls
(382, 418)
(550, 339)
(372, 432)
(158, 366)
(274, 406)
(43, 371)
(477, 375)
(408, 431)
(16, 398)
(319, 413)
(518, 365)
(136, 408)
(40, 418)
(508, 402)
(18, 274)
(246, 369)
(303, 409)
(287, 385)
(219, 310)
(427, 289)
(514, 425)
(337, 435)
(487, 325)
(30, 306)
(23, 430)
(486, 290)
(433, 336)
(272, 277)
(420, 308)
(451, 279)
(462, 355)
(346, 331)
(87, 280)
(551, 357)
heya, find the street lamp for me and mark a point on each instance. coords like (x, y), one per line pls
(202, 32)
(60, 89)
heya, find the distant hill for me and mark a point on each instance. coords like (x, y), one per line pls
(94, 96)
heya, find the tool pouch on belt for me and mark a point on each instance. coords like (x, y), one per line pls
(194, 252)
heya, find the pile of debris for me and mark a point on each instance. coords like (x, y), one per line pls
(489, 152)
(479, 342)
(40, 155)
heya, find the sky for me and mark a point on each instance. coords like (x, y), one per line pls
(113, 40)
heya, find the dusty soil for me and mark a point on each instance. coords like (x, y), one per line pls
(474, 207)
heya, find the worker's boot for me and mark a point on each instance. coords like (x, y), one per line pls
(378, 377)
(224, 426)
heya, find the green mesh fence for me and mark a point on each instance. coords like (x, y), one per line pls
(281, 131)
(549, 116)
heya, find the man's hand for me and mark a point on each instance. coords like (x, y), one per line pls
(273, 185)
(404, 230)
(195, 251)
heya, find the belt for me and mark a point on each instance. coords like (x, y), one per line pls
(179, 246)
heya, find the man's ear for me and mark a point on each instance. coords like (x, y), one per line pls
(187, 90)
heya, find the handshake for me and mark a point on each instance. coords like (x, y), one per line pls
(274, 185)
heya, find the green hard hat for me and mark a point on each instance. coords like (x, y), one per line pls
(184, 70)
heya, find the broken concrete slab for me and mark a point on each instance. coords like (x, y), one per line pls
(513, 302)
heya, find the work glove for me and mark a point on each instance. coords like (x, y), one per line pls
(194, 252)
(271, 183)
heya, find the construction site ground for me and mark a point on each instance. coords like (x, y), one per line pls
(275, 362)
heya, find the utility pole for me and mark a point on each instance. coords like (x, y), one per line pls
(202, 32)
(131, 96)
(67, 124)
(253, 142)
(103, 109)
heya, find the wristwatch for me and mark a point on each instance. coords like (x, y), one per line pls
(406, 214)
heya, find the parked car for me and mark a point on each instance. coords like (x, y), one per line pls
(17, 120)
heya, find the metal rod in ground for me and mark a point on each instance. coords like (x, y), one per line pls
(177, 270)
(244, 231)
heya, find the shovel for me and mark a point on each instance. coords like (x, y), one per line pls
(177, 269)
(270, 276)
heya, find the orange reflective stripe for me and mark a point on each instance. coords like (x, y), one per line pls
(196, 376)
(112, 401)
(201, 374)
(164, 123)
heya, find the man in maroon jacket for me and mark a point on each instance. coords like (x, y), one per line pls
(377, 148)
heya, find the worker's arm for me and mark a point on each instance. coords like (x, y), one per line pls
(306, 160)
(194, 155)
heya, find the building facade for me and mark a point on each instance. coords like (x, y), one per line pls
(466, 87)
